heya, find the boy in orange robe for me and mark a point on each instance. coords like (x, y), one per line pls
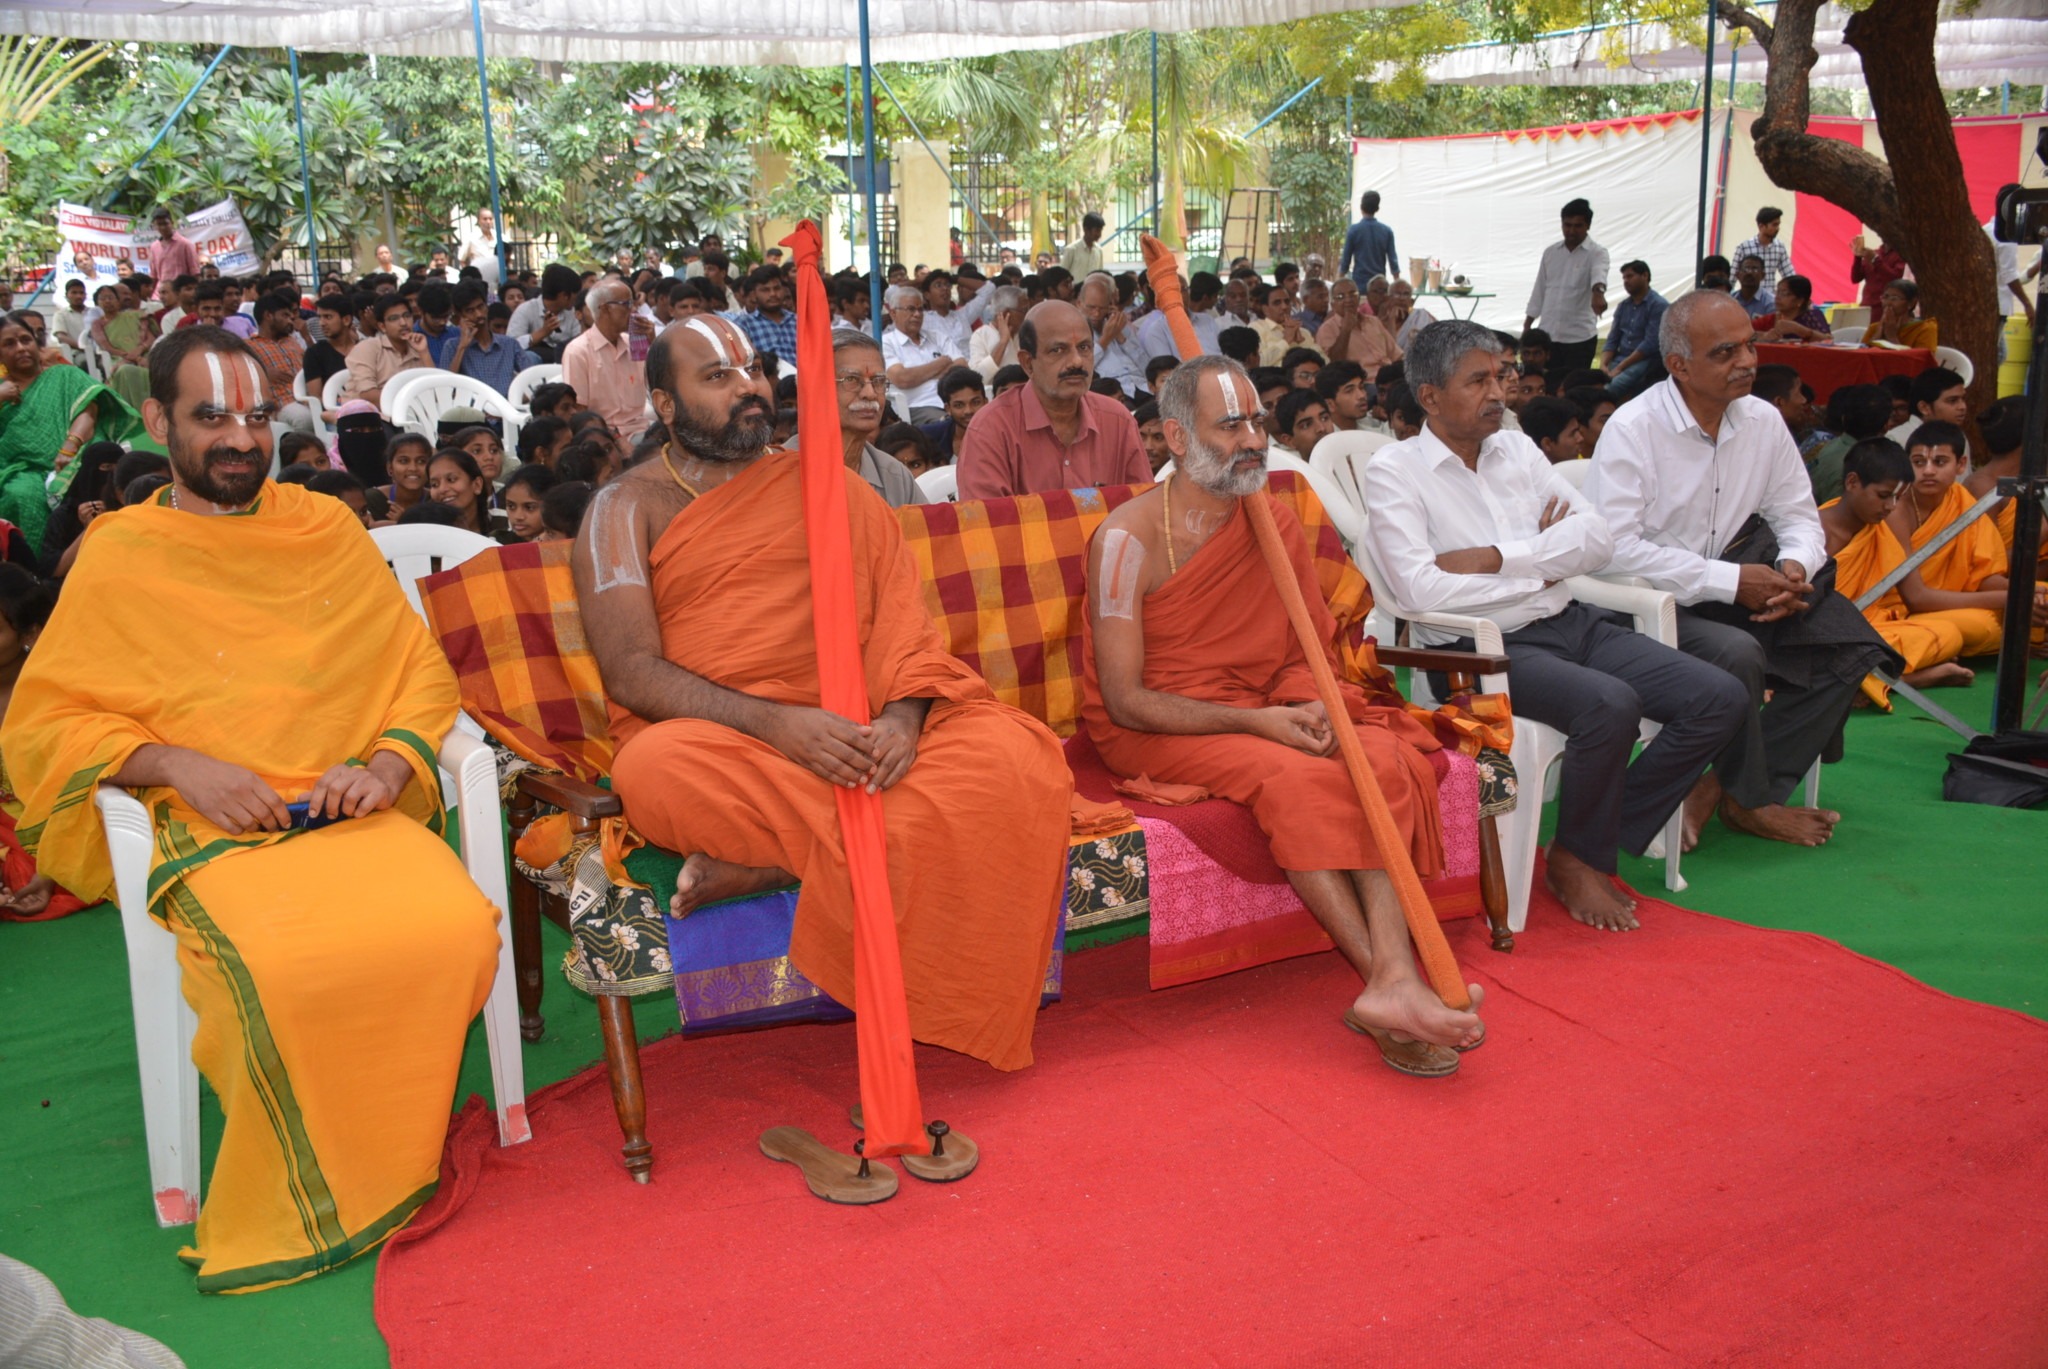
(694, 583)
(1962, 584)
(1192, 676)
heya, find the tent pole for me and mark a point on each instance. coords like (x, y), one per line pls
(1706, 140)
(1727, 141)
(1157, 193)
(867, 114)
(305, 172)
(164, 132)
(1284, 106)
(483, 85)
(852, 190)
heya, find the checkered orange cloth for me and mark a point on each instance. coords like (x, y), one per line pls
(1005, 580)
(507, 621)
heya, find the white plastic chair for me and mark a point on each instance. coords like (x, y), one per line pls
(1538, 748)
(395, 390)
(1348, 517)
(299, 393)
(1341, 456)
(165, 1023)
(1955, 361)
(520, 394)
(940, 485)
(424, 401)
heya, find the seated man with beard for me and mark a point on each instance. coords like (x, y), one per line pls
(1193, 676)
(694, 582)
(334, 971)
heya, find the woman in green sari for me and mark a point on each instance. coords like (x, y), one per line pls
(47, 413)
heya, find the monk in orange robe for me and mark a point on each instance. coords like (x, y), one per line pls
(1193, 676)
(1963, 584)
(1875, 475)
(694, 583)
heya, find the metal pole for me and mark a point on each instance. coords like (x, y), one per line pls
(2005, 97)
(1727, 141)
(483, 85)
(1158, 193)
(305, 172)
(1284, 106)
(867, 115)
(161, 133)
(852, 190)
(2028, 489)
(1706, 139)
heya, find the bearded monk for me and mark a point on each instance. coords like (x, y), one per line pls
(1193, 676)
(694, 582)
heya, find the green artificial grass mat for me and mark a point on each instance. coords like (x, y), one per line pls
(1950, 893)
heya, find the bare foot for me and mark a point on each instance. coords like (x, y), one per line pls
(1935, 676)
(1410, 1009)
(1777, 822)
(1587, 894)
(704, 880)
(1699, 806)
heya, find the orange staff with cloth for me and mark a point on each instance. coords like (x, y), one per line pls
(769, 658)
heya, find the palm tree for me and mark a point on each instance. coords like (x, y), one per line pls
(33, 72)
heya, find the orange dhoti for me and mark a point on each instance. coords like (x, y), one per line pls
(1926, 639)
(977, 830)
(1216, 632)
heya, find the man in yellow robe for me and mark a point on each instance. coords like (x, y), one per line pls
(228, 649)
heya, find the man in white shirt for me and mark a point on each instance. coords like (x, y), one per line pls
(1682, 471)
(1469, 519)
(70, 323)
(1155, 337)
(914, 361)
(1086, 255)
(478, 247)
(1570, 292)
(945, 327)
(2011, 293)
(547, 322)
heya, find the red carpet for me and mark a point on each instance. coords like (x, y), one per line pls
(1700, 1143)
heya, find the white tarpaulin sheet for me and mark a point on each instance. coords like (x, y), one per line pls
(1487, 205)
(1994, 41)
(761, 33)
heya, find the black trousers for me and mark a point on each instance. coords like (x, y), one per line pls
(1566, 357)
(1778, 741)
(1588, 674)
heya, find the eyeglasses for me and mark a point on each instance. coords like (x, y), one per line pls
(854, 384)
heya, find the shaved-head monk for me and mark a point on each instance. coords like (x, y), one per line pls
(1193, 676)
(694, 580)
(1053, 433)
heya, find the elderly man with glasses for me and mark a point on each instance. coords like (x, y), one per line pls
(598, 364)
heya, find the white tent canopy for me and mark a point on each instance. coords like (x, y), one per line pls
(812, 33)
(1997, 40)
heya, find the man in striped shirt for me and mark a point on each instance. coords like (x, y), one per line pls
(1765, 245)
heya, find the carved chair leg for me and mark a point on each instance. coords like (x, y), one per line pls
(1493, 885)
(622, 1065)
(526, 935)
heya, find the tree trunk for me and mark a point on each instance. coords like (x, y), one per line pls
(1927, 215)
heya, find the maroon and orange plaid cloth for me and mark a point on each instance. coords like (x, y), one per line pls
(1005, 580)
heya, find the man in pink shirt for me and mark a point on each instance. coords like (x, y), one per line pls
(598, 363)
(1052, 433)
(172, 254)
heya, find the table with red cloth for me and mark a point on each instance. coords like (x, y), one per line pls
(1827, 369)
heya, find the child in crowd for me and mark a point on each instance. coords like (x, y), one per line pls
(908, 444)
(1875, 473)
(405, 458)
(1152, 433)
(455, 479)
(561, 510)
(525, 494)
(301, 449)
(1857, 413)
(1008, 378)
(345, 487)
(1554, 425)
(485, 447)
(1963, 584)
(553, 400)
(541, 439)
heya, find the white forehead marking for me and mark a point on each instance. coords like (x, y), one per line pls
(722, 340)
(220, 381)
(257, 390)
(1227, 387)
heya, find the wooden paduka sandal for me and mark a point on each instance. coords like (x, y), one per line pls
(834, 1176)
(953, 1156)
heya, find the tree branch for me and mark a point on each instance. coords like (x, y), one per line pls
(1736, 17)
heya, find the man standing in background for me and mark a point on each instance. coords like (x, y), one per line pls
(1570, 292)
(1369, 246)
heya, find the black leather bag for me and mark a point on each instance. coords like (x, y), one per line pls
(2009, 770)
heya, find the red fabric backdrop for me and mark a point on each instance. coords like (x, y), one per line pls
(1821, 231)
(1820, 235)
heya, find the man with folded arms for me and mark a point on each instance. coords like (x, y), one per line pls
(1694, 470)
(1192, 675)
(1472, 520)
(334, 971)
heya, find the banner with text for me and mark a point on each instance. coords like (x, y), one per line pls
(95, 243)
